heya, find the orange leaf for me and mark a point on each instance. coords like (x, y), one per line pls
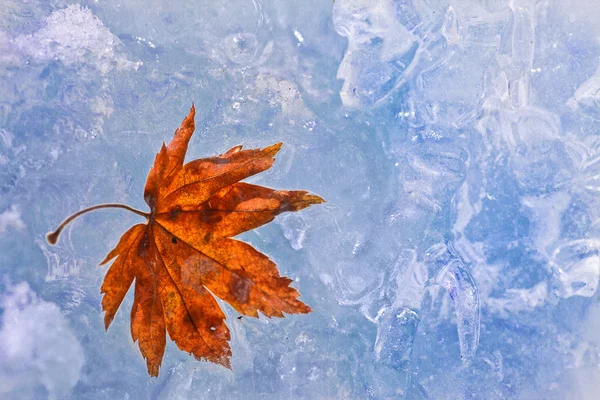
(184, 255)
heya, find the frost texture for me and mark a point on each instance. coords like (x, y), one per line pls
(463, 292)
(75, 36)
(37, 347)
(455, 141)
(11, 219)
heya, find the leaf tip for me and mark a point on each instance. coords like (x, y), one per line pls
(302, 308)
(107, 322)
(192, 114)
(273, 149)
(227, 363)
(108, 257)
(303, 200)
(314, 199)
(153, 370)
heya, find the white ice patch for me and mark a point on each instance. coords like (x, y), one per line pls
(74, 36)
(517, 301)
(588, 93)
(37, 347)
(464, 294)
(6, 138)
(285, 94)
(547, 213)
(577, 264)
(299, 37)
(8, 55)
(11, 219)
(376, 42)
(294, 229)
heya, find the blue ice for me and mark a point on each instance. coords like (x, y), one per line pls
(455, 141)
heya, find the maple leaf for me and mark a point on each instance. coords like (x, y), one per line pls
(184, 254)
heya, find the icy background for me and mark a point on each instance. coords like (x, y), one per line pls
(456, 142)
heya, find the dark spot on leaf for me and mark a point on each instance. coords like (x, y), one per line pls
(174, 212)
(210, 217)
(143, 245)
(174, 240)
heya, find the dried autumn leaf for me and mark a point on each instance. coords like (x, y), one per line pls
(184, 255)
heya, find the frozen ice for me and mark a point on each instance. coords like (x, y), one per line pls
(395, 338)
(461, 287)
(455, 141)
(398, 323)
(380, 50)
(40, 354)
(74, 36)
(577, 267)
(11, 219)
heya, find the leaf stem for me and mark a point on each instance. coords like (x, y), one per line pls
(52, 237)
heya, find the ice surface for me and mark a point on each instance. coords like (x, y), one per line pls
(455, 141)
(11, 219)
(40, 354)
(463, 291)
(74, 36)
